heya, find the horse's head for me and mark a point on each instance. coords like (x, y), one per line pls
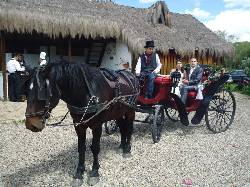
(43, 96)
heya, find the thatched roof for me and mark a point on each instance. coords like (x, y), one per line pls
(90, 18)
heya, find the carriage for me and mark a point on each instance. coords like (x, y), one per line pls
(218, 105)
(81, 87)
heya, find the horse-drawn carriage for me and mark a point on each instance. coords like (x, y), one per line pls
(218, 105)
(92, 99)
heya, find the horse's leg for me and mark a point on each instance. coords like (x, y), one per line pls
(95, 148)
(129, 131)
(81, 133)
(126, 129)
(129, 119)
(121, 124)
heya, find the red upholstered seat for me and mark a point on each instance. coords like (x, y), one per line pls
(192, 94)
(166, 79)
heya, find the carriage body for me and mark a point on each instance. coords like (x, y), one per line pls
(163, 87)
(218, 105)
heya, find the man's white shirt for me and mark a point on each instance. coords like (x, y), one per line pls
(13, 66)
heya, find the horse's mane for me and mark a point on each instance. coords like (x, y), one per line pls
(72, 74)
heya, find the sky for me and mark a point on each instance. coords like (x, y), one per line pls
(231, 16)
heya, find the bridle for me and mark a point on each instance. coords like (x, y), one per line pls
(44, 94)
(46, 112)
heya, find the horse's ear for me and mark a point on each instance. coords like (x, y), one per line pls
(42, 74)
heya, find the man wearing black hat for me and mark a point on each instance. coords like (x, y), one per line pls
(148, 65)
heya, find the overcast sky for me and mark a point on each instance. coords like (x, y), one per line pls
(232, 16)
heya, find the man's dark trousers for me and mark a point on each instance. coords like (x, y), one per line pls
(14, 88)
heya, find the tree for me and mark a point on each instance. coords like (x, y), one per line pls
(242, 54)
(228, 37)
(246, 65)
(242, 51)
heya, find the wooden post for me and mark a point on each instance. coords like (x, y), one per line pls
(4, 69)
(133, 62)
(69, 52)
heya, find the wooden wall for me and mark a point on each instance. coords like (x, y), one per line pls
(3, 66)
(169, 61)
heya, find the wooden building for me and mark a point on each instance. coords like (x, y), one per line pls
(98, 32)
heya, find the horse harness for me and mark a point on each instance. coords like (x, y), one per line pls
(93, 106)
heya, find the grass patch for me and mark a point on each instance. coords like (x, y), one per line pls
(246, 90)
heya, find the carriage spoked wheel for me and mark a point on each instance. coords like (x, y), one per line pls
(111, 127)
(221, 111)
(172, 114)
(157, 124)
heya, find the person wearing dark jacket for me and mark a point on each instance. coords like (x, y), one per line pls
(148, 65)
(14, 88)
(192, 79)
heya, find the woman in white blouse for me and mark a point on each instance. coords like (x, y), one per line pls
(179, 68)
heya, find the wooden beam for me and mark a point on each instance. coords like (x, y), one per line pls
(4, 69)
(134, 62)
(70, 50)
(102, 53)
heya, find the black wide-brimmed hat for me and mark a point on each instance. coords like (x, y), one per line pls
(149, 44)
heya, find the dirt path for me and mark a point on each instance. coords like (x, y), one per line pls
(184, 154)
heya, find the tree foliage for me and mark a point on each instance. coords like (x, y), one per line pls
(242, 56)
(242, 52)
(228, 37)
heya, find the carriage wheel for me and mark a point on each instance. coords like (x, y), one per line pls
(110, 127)
(221, 111)
(172, 114)
(157, 124)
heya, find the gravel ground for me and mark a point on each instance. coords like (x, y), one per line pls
(185, 155)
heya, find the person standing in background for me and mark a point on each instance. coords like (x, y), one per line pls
(14, 86)
(23, 77)
(24, 64)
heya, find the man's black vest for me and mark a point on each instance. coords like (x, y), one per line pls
(148, 67)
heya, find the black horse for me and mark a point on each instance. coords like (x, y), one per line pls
(91, 98)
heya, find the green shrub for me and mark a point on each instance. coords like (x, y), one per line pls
(238, 88)
(232, 87)
(246, 90)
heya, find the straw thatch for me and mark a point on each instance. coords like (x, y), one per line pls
(108, 20)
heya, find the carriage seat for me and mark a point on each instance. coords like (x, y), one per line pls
(192, 94)
(196, 94)
(163, 80)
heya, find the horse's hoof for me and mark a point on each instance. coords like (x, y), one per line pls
(78, 175)
(126, 155)
(79, 172)
(76, 182)
(121, 146)
(93, 181)
(119, 149)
